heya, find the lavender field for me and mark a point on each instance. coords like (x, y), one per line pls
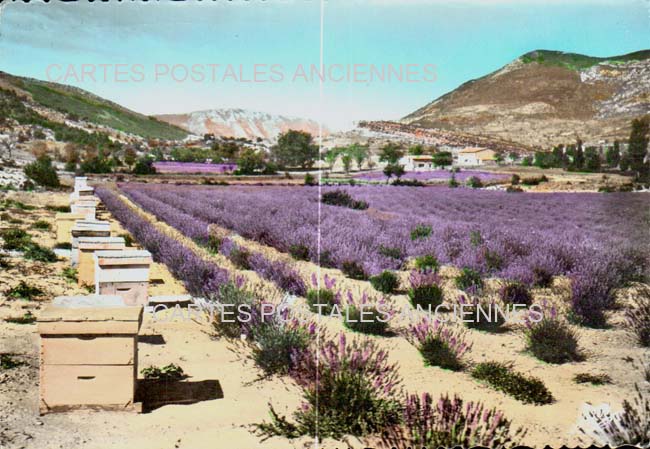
(440, 175)
(513, 236)
(193, 167)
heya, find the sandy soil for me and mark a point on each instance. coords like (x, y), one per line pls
(227, 421)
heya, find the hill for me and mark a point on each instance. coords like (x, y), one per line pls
(80, 105)
(545, 98)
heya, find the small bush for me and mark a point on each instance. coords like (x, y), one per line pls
(427, 262)
(386, 282)
(552, 341)
(299, 252)
(15, 239)
(475, 238)
(638, 318)
(24, 291)
(534, 180)
(514, 180)
(63, 245)
(482, 315)
(310, 180)
(240, 258)
(62, 209)
(144, 166)
(452, 182)
(326, 297)
(275, 345)
(231, 298)
(468, 280)
(8, 362)
(354, 271)
(393, 253)
(515, 293)
(439, 345)
(591, 295)
(42, 172)
(171, 372)
(421, 232)
(42, 225)
(407, 182)
(27, 318)
(450, 422)
(4, 262)
(39, 253)
(70, 274)
(343, 199)
(594, 379)
(475, 182)
(500, 376)
(373, 323)
(425, 290)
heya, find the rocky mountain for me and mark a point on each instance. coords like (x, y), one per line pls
(545, 98)
(81, 109)
(239, 123)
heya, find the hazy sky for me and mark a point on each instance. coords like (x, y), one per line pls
(463, 39)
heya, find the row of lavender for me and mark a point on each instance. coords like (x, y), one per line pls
(431, 175)
(523, 237)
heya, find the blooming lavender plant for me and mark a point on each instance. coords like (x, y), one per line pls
(439, 344)
(425, 290)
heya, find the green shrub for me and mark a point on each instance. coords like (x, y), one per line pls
(42, 172)
(594, 379)
(421, 232)
(63, 245)
(299, 252)
(62, 209)
(324, 296)
(475, 182)
(24, 291)
(8, 362)
(426, 296)
(310, 180)
(240, 258)
(529, 390)
(70, 274)
(343, 199)
(232, 298)
(144, 166)
(15, 239)
(275, 345)
(552, 341)
(42, 225)
(354, 271)
(514, 180)
(171, 372)
(5, 264)
(27, 318)
(427, 262)
(393, 253)
(469, 279)
(40, 253)
(437, 352)
(374, 323)
(515, 293)
(386, 282)
(128, 239)
(475, 238)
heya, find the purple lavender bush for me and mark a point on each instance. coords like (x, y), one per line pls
(439, 344)
(451, 422)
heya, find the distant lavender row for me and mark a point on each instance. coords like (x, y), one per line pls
(200, 278)
(461, 176)
(515, 236)
(195, 228)
(193, 167)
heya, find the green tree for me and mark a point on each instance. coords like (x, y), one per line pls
(144, 166)
(613, 155)
(331, 156)
(638, 146)
(624, 164)
(346, 159)
(42, 172)
(394, 170)
(578, 157)
(592, 159)
(416, 150)
(295, 149)
(359, 153)
(96, 162)
(250, 162)
(391, 153)
(442, 159)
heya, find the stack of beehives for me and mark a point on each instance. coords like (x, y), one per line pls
(89, 343)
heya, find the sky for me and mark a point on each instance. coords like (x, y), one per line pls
(176, 57)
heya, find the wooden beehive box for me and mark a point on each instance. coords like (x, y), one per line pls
(87, 247)
(64, 224)
(88, 355)
(123, 273)
(86, 228)
(85, 206)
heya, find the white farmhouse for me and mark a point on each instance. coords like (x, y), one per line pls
(423, 162)
(473, 157)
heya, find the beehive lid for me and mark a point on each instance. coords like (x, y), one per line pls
(69, 216)
(85, 188)
(101, 242)
(128, 257)
(93, 314)
(91, 225)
